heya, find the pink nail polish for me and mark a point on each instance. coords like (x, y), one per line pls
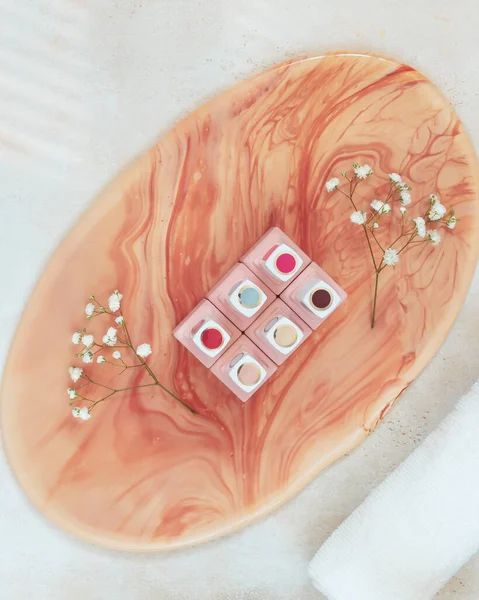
(314, 295)
(276, 260)
(241, 296)
(206, 333)
(278, 332)
(243, 368)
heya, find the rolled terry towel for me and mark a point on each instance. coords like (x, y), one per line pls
(416, 529)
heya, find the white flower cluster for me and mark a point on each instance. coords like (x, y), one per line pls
(81, 413)
(451, 223)
(381, 207)
(433, 236)
(143, 350)
(395, 178)
(391, 256)
(332, 184)
(420, 225)
(437, 210)
(110, 339)
(87, 356)
(358, 217)
(410, 229)
(87, 340)
(402, 187)
(114, 301)
(362, 172)
(75, 373)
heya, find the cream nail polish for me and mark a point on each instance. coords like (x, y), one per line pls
(278, 332)
(244, 368)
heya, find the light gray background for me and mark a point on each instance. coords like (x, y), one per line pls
(83, 89)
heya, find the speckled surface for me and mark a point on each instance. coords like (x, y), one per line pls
(168, 58)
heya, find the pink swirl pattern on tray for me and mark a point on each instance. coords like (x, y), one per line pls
(143, 473)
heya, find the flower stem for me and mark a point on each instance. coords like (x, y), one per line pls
(150, 372)
(134, 387)
(373, 318)
(370, 247)
(409, 231)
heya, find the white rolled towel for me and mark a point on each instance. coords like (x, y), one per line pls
(417, 528)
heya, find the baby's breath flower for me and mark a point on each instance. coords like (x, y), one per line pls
(87, 357)
(143, 350)
(332, 184)
(451, 222)
(89, 354)
(363, 172)
(395, 178)
(114, 301)
(87, 340)
(380, 207)
(433, 236)
(358, 217)
(390, 256)
(411, 229)
(437, 211)
(75, 373)
(377, 205)
(85, 413)
(110, 338)
(420, 224)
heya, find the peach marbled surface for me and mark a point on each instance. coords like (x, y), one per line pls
(143, 473)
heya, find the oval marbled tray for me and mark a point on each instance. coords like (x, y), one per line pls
(143, 473)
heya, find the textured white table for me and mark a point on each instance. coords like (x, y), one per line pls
(82, 90)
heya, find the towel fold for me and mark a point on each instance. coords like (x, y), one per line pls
(416, 529)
